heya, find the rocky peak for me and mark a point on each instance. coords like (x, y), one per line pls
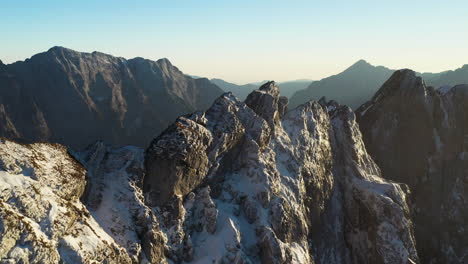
(359, 66)
(252, 181)
(418, 136)
(402, 81)
(267, 102)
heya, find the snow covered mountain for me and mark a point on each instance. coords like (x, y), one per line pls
(418, 135)
(243, 182)
(249, 183)
(76, 98)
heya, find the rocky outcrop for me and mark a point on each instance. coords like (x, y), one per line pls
(249, 183)
(41, 217)
(418, 135)
(77, 98)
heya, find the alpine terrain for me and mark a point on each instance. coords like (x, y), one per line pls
(243, 182)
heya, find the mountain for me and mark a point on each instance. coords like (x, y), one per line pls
(76, 98)
(287, 88)
(246, 182)
(240, 91)
(357, 84)
(418, 135)
(447, 78)
(243, 182)
(352, 87)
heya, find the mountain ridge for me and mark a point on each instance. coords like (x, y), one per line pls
(113, 97)
(358, 83)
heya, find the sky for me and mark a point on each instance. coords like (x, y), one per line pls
(246, 41)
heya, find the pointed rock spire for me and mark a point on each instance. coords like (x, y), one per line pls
(267, 102)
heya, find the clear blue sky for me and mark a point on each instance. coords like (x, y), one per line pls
(243, 41)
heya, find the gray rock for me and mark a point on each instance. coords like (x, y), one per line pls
(416, 134)
(76, 98)
(41, 217)
(307, 189)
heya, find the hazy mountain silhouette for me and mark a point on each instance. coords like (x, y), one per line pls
(358, 83)
(352, 87)
(287, 88)
(240, 91)
(450, 78)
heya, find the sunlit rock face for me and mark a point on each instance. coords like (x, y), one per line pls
(248, 182)
(418, 135)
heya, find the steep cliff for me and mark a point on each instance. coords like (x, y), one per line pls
(419, 135)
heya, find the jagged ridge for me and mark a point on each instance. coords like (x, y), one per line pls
(76, 98)
(248, 185)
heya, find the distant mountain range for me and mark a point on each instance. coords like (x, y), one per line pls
(358, 83)
(287, 88)
(75, 98)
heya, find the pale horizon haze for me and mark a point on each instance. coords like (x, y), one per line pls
(246, 41)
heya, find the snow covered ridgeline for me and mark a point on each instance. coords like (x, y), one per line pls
(249, 183)
(41, 217)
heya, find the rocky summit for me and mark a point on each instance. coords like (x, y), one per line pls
(418, 135)
(243, 182)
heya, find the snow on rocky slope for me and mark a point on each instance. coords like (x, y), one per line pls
(419, 135)
(41, 217)
(249, 183)
(243, 182)
(114, 198)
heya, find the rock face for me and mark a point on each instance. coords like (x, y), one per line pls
(114, 198)
(54, 210)
(249, 183)
(418, 135)
(41, 217)
(77, 98)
